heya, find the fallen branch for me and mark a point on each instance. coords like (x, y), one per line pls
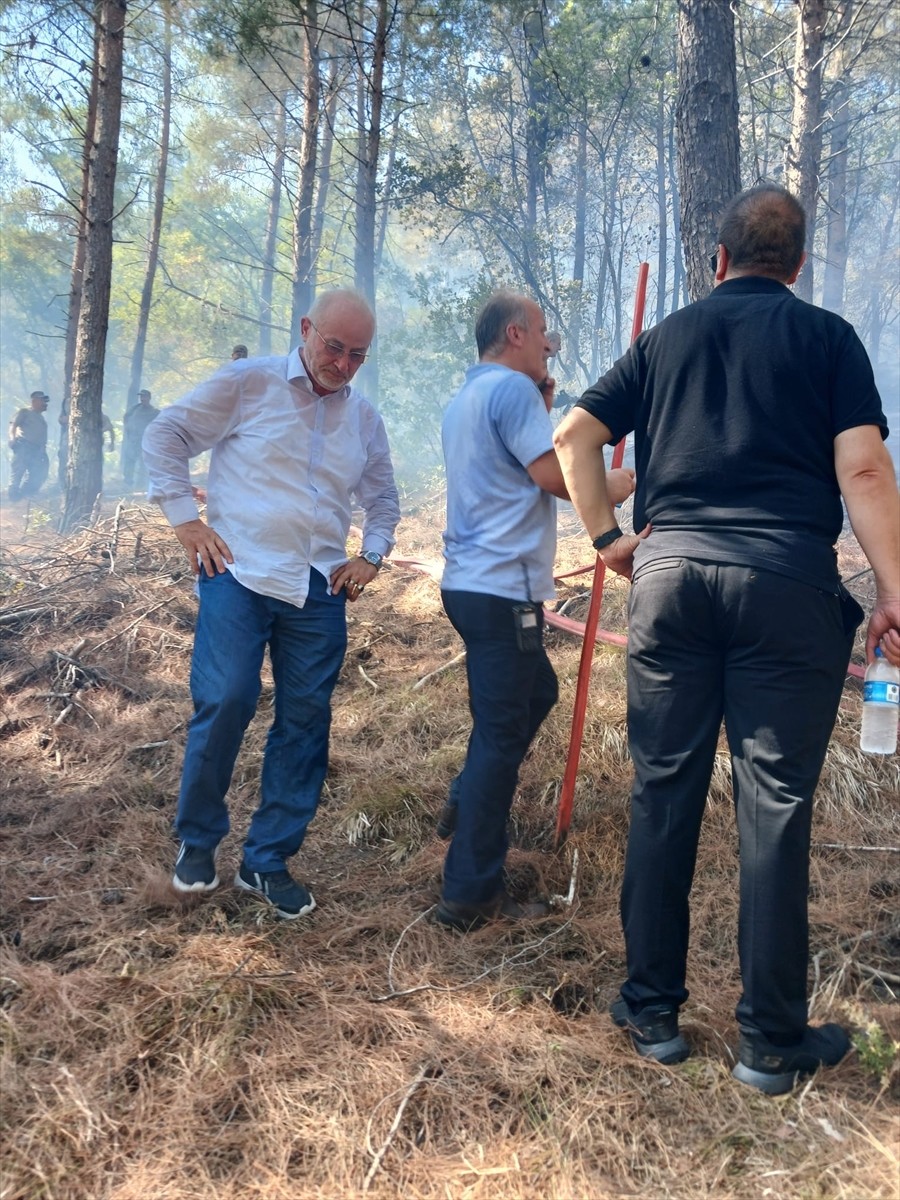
(371, 682)
(65, 712)
(395, 1125)
(846, 846)
(136, 621)
(23, 614)
(876, 972)
(439, 671)
(97, 674)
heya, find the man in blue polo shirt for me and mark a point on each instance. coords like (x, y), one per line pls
(753, 414)
(500, 543)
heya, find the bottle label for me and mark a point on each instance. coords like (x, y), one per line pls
(880, 691)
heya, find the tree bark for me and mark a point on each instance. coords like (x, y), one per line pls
(301, 294)
(580, 242)
(84, 475)
(804, 151)
(836, 248)
(76, 286)
(707, 130)
(267, 285)
(661, 205)
(370, 103)
(323, 175)
(159, 200)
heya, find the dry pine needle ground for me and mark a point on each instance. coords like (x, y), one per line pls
(163, 1049)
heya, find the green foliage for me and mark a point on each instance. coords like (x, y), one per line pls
(484, 110)
(878, 1054)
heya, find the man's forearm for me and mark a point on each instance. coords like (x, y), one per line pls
(866, 478)
(579, 442)
(873, 506)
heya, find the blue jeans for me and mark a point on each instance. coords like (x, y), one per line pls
(511, 691)
(306, 646)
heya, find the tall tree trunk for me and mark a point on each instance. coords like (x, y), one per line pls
(159, 200)
(371, 97)
(301, 293)
(579, 246)
(836, 249)
(267, 286)
(84, 475)
(392, 154)
(76, 286)
(323, 174)
(706, 129)
(661, 206)
(804, 151)
(537, 127)
(679, 278)
(370, 104)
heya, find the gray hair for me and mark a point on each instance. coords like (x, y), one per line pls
(327, 300)
(500, 310)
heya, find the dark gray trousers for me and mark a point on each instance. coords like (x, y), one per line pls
(769, 655)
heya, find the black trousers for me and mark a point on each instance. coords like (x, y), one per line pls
(769, 655)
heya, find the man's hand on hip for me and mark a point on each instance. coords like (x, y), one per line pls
(618, 556)
(203, 546)
(352, 577)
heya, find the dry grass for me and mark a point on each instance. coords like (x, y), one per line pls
(163, 1049)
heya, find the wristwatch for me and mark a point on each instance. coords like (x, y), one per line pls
(607, 539)
(373, 559)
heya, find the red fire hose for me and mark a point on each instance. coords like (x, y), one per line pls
(567, 792)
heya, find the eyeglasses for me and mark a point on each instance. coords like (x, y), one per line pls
(356, 356)
(714, 260)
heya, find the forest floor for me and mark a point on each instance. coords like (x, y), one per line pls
(161, 1048)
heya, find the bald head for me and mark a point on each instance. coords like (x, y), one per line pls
(346, 301)
(337, 333)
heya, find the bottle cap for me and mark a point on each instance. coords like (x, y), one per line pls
(879, 653)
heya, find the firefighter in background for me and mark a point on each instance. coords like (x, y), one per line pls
(137, 418)
(28, 448)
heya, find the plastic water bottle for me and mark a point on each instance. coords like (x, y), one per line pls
(881, 705)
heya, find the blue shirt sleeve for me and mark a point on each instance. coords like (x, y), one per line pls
(521, 420)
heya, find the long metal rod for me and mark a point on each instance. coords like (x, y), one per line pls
(567, 791)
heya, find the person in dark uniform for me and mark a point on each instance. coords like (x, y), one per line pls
(753, 413)
(136, 420)
(28, 448)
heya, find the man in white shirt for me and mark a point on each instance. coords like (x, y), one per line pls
(293, 447)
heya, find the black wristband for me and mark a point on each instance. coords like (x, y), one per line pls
(607, 539)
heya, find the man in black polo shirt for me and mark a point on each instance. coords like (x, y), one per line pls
(753, 413)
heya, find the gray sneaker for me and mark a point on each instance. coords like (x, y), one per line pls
(774, 1069)
(195, 870)
(653, 1031)
(278, 888)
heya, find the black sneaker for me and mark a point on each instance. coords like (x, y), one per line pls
(466, 917)
(289, 898)
(774, 1069)
(446, 822)
(195, 869)
(654, 1031)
